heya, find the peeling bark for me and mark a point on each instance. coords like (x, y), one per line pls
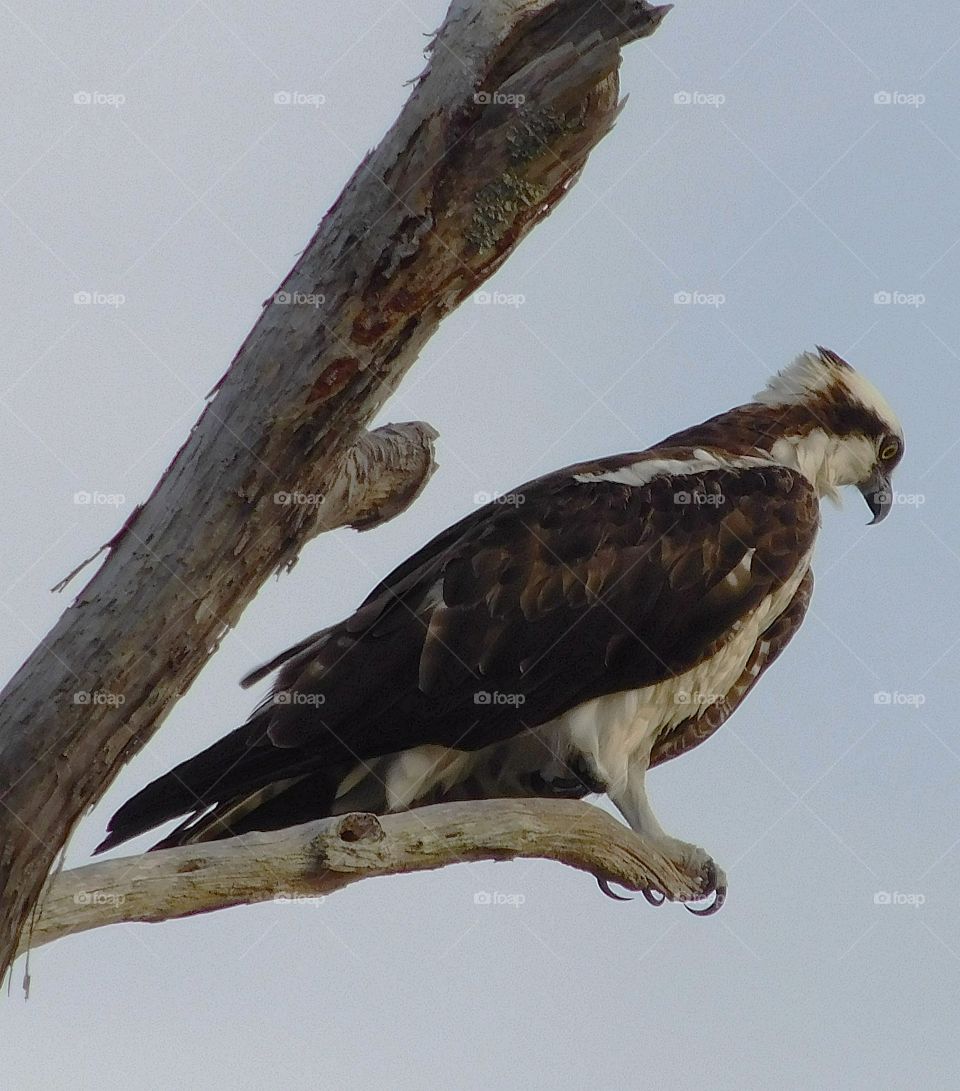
(499, 125)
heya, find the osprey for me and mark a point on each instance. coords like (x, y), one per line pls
(561, 640)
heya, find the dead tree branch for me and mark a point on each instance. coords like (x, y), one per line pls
(515, 96)
(318, 858)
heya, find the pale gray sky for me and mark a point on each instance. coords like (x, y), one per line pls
(783, 197)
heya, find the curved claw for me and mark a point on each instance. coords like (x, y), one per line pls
(712, 886)
(605, 887)
(719, 897)
(654, 897)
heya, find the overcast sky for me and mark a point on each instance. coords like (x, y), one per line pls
(784, 174)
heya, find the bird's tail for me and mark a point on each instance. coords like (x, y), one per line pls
(242, 782)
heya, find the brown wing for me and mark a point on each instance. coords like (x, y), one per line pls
(574, 589)
(693, 731)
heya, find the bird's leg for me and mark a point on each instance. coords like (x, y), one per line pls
(628, 793)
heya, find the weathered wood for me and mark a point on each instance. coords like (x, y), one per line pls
(321, 857)
(381, 475)
(514, 97)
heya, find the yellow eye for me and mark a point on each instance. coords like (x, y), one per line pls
(889, 450)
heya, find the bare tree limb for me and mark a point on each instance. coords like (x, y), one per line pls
(515, 96)
(321, 857)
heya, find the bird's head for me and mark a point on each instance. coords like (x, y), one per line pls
(835, 427)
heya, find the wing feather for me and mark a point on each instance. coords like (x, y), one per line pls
(588, 587)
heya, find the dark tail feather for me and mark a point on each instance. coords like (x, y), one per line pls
(278, 660)
(275, 807)
(238, 764)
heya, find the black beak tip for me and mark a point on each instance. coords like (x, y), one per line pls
(879, 501)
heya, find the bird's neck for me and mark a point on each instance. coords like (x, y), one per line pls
(790, 435)
(827, 461)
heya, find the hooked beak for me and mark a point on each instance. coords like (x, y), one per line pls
(878, 493)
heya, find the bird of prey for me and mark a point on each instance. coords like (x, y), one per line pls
(561, 640)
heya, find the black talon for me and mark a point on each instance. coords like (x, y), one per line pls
(719, 897)
(710, 887)
(605, 887)
(654, 897)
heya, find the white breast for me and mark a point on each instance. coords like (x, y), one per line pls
(619, 727)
